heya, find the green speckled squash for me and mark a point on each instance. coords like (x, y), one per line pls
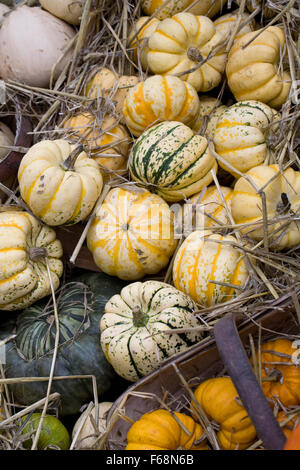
(53, 434)
(133, 324)
(80, 307)
(171, 158)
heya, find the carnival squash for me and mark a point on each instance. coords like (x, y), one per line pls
(109, 85)
(201, 7)
(220, 402)
(282, 195)
(132, 234)
(80, 306)
(53, 435)
(24, 245)
(286, 384)
(180, 43)
(135, 323)
(209, 268)
(174, 161)
(160, 98)
(242, 135)
(252, 71)
(107, 142)
(162, 430)
(59, 182)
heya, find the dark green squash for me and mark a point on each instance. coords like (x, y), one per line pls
(80, 307)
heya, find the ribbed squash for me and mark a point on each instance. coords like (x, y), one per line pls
(253, 72)
(108, 141)
(134, 326)
(242, 135)
(210, 112)
(59, 186)
(24, 244)
(180, 43)
(201, 7)
(132, 234)
(138, 39)
(173, 160)
(160, 98)
(210, 209)
(282, 193)
(220, 401)
(204, 263)
(226, 23)
(110, 85)
(80, 305)
(160, 430)
(286, 386)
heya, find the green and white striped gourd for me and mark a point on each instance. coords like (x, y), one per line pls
(133, 327)
(172, 161)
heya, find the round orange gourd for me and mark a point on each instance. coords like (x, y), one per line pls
(252, 71)
(286, 387)
(293, 441)
(160, 98)
(219, 400)
(288, 426)
(159, 430)
(107, 142)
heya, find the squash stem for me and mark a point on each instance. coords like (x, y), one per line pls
(194, 54)
(68, 164)
(36, 253)
(139, 318)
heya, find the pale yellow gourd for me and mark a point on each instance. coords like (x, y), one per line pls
(67, 10)
(85, 430)
(242, 135)
(60, 183)
(202, 7)
(138, 39)
(204, 263)
(253, 72)
(160, 98)
(210, 111)
(24, 245)
(282, 194)
(180, 43)
(132, 234)
(225, 24)
(107, 141)
(109, 85)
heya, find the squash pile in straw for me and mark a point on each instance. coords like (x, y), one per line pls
(149, 184)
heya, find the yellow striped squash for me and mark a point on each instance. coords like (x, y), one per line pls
(226, 23)
(209, 207)
(210, 112)
(160, 98)
(205, 260)
(242, 135)
(282, 193)
(132, 234)
(133, 323)
(59, 186)
(109, 85)
(179, 43)
(107, 141)
(174, 161)
(253, 72)
(24, 244)
(202, 7)
(138, 39)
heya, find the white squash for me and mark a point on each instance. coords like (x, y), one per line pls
(67, 10)
(6, 139)
(88, 434)
(32, 41)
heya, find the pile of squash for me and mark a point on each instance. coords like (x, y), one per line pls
(144, 180)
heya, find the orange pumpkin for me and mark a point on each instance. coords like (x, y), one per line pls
(274, 356)
(293, 442)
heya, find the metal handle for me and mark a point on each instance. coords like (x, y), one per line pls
(239, 368)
